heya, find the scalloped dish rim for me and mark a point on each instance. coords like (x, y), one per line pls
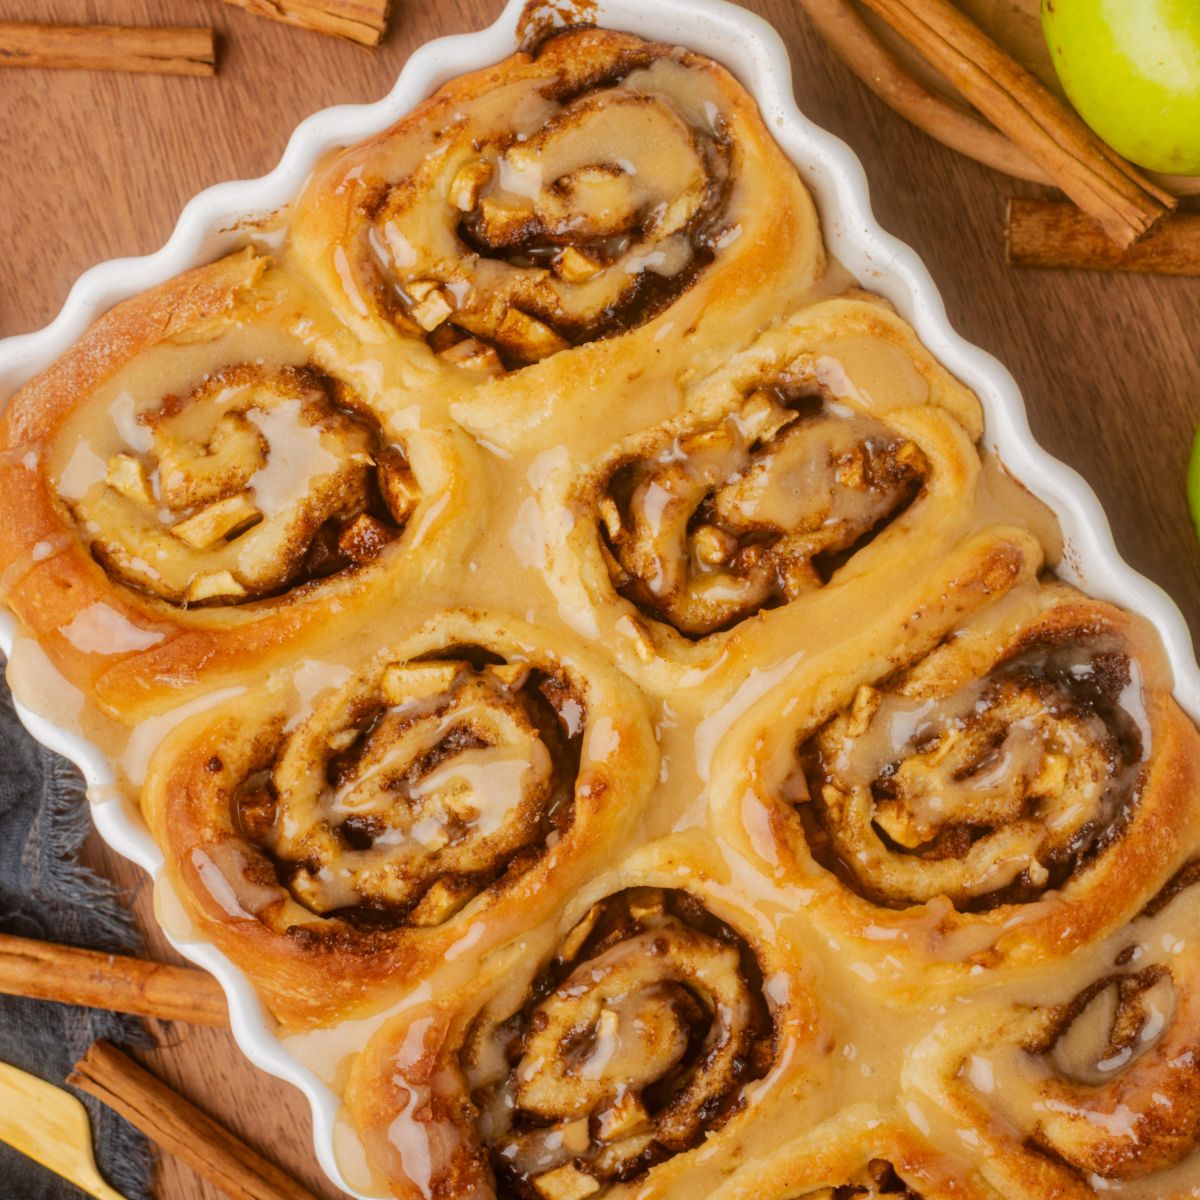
(212, 222)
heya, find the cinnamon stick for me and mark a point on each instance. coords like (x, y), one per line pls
(362, 21)
(180, 1128)
(161, 50)
(1120, 198)
(46, 971)
(1051, 233)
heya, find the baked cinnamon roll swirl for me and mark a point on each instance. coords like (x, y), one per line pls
(756, 511)
(650, 1022)
(831, 454)
(192, 510)
(1010, 794)
(1093, 1085)
(634, 1040)
(860, 1154)
(351, 842)
(566, 198)
(193, 496)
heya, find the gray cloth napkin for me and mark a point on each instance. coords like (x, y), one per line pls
(45, 893)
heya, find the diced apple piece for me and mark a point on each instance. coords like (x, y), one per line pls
(474, 355)
(405, 682)
(127, 475)
(576, 1137)
(566, 1183)
(528, 338)
(363, 539)
(576, 267)
(512, 675)
(464, 190)
(214, 585)
(445, 898)
(431, 304)
(623, 1117)
(216, 521)
(399, 486)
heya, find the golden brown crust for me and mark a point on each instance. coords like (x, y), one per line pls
(1092, 807)
(338, 847)
(106, 629)
(36, 411)
(451, 1065)
(404, 189)
(861, 1154)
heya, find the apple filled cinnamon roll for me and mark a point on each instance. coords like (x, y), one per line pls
(611, 201)
(612, 1055)
(830, 456)
(1009, 794)
(1088, 1084)
(582, 661)
(192, 496)
(337, 844)
(862, 1153)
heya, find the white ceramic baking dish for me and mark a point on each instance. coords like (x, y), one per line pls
(209, 227)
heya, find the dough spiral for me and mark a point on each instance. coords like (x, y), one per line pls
(606, 1056)
(1094, 1085)
(351, 838)
(572, 206)
(818, 462)
(1011, 792)
(200, 516)
(190, 497)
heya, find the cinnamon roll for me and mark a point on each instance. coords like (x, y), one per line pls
(1090, 1083)
(831, 456)
(337, 846)
(191, 496)
(862, 1153)
(599, 206)
(584, 665)
(1011, 793)
(612, 1056)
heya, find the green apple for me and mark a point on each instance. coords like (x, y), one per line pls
(1193, 483)
(1132, 69)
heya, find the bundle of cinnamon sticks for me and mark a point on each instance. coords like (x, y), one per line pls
(1120, 219)
(46, 971)
(176, 50)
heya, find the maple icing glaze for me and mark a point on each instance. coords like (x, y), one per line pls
(637, 746)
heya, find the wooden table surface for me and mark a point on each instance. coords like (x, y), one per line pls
(96, 166)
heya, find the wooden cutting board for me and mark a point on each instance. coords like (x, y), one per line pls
(96, 166)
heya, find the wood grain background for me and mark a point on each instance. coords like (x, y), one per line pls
(97, 166)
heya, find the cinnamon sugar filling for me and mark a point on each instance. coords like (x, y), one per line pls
(993, 794)
(256, 483)
(635, 1043)
(753, 512)
(446, 776)
(599, 207)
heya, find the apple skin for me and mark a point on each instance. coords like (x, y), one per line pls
(1193, 483)
(1132, 69)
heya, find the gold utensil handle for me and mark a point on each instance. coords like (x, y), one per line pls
(100, 1190)
(52, 1127)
